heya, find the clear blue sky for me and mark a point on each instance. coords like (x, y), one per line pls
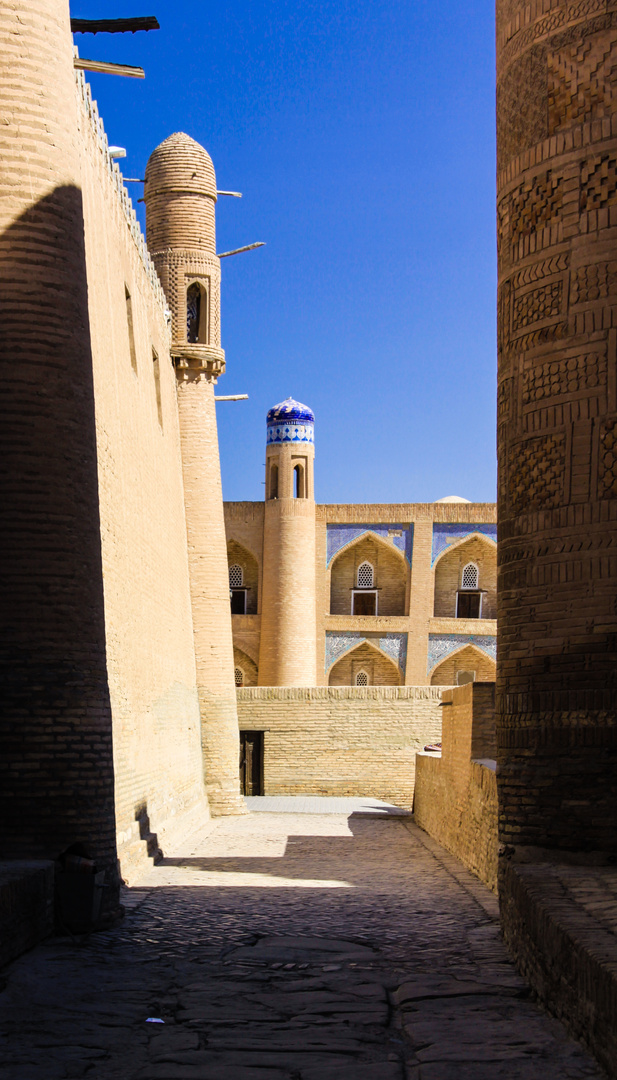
(361, 135)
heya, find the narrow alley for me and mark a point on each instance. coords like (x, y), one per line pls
(289, 946)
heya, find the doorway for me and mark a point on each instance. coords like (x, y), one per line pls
(251, 762)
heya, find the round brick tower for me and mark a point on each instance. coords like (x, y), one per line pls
(287, 653)
(557, 337)
(56, 769)
(180, 197)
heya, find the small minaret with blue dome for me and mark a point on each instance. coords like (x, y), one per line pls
(287, 655)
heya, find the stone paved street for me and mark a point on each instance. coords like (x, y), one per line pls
(284, 946)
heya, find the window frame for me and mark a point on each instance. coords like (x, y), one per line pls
(366, 676)
(470, 588)
(365, 562)
(364, 592)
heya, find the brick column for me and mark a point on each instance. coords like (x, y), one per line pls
(557, 327)
(56, 767)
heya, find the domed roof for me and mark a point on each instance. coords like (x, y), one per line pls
(452, 499)
(180, 164)
(288, 410)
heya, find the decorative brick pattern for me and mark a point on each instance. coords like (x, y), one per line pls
(595, 282)
(570, 375)
(537, 481)
(598, 182)
(582, 82)
(534, 204)
(607, 472)
(400, 536)
(537, 304)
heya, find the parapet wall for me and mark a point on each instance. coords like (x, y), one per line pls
(456, 792)
(343, 740)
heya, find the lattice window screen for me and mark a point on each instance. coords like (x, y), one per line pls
(239, 676)
(235, 576)
(362, 679)
(469, 579)
(365, 576)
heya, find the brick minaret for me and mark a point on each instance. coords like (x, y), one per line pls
(56, 769)
(180, 196)
(288, 620)
(557, 584)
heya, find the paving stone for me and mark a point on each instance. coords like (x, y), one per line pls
(258, 980)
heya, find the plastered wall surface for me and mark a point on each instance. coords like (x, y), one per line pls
(342, 740)
(149, 631)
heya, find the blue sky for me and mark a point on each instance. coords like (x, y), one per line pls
(361, 135)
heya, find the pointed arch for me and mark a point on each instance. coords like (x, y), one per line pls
(244, 664)
(478, 551)
(390, 574)
(365, 656)
(466, 658)
(490, 544)
(243, 577)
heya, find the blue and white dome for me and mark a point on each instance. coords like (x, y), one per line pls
(290, 421)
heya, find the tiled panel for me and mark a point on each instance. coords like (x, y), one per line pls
(447, 533)
(400, 536)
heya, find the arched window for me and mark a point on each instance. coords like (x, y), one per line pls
(274, 481)
(196, 315)
(236, 576)
(365, 576)
(238, 676)
(470, 576)
(361, 678)
(299, 482)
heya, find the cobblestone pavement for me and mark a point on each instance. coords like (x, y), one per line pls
(289, 947)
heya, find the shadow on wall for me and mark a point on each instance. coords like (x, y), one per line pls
(56, 764)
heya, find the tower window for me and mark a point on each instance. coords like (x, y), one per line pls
(299, 492)
(361, 678)
(470, 576)
(131, 328)
(274, 481)
(365, 576)
(236, 576)
(196, 315)
(156, 367)
(238, 676)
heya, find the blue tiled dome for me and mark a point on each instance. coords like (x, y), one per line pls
(290, 421)
(290, 410)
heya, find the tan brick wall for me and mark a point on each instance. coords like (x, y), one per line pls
(238, 555)
(342, 740)
(380, 669)
(467, 659)
(246, 665)
(456, 797)
(448, 574)
(389, 577)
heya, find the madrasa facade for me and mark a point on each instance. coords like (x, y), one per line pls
(399, 594)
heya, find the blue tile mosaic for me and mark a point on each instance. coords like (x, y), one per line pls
(290, 421)
(401, 536)
(447, 533)
(393, 645)
(441, 645)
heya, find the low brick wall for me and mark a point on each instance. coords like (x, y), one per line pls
(558, 923)
(26, 906)
(456, 794)
(342, 740)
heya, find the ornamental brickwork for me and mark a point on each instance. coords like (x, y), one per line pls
(557, 416)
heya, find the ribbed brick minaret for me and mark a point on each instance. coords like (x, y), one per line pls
(180, 196)
(56, 769)
(287, 651)
(557, 584)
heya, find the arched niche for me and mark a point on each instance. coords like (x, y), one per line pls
(379, 668)
(389, 575)
(197, 314)
(239, 556)
(248, 667)
(455, 667)
(476, 550)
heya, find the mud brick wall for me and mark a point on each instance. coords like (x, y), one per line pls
(56, 769)
(557, 416)
(342, 740)
(456, 797)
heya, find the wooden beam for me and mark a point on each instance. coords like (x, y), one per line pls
(108, 69)
(237, 251)
(114, 26)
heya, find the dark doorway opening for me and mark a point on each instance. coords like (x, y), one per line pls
(238, 601)
(252, 762)
(469, 605)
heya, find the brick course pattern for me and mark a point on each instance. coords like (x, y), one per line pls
(456, 794)
(342, 740)
(557, 582)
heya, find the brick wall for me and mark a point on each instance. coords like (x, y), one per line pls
(456, 796)
(342, 740)
(448, 571)
(380, 670)
(389, 577)
(468, 659)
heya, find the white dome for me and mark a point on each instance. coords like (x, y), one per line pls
(452, 499)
